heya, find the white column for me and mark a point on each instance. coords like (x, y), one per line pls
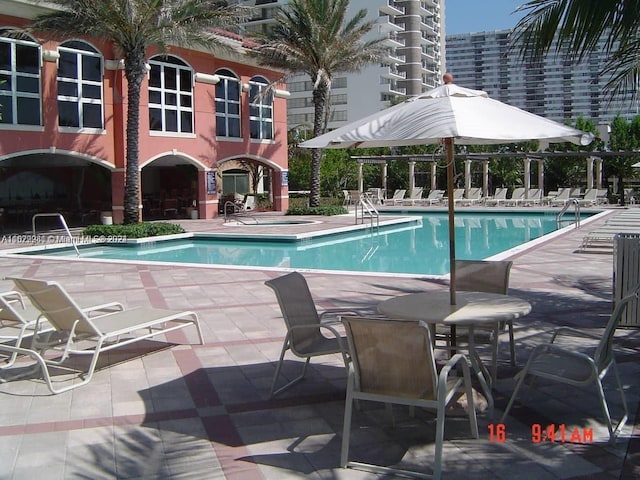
(412, 177)
(598, 172)
(527, 176)
(485, 178)
(360, 178)
(384, 179)
(541, 175)
(467, 176)
(434, 178)
(590, 172)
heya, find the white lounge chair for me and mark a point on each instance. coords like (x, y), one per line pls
(397, 198)
(590, 197)
(416, 196)
(473, 196)
(77, 332)
(564, 195)
(517, 197)
(435, 197)
(500, 195)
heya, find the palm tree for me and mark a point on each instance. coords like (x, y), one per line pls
(134, 26)
(579, 26)
(314, 37)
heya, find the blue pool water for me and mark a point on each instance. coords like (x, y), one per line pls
(415, 248)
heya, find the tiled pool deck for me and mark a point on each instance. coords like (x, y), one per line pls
(202, 411)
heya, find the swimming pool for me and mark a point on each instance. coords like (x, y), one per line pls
(418, 247)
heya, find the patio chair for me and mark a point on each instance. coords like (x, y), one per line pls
(533, 197)
(489, 276)
(590, 197)
(393, 363)
(564, 195)
(77, 332)
(416, 196)
(305, 326)
(458, 194)
(580, 367)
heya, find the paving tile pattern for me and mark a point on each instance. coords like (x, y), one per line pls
(171, 409)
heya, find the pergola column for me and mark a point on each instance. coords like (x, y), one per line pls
(412, 177)
(598, 172)
(527, 176)
(541, 175)
(384, 179)
(590, 172)
(360, 178)
(434, 178)
(485, 178)
(467, 176)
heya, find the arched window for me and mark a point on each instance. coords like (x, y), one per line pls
(260, 109)
(20, 98)
(170, 95)
(79, 86)
(227, 104)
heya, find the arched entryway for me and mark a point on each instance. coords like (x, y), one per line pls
(76, 185)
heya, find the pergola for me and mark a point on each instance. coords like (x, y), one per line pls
(594, 162)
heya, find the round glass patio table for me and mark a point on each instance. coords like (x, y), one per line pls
(472, 309)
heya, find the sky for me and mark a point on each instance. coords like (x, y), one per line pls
(465, 16)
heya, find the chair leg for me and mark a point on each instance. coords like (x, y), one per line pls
(523, 374)
(346, 428)
(613, 432)
(273, 392)
(512, 344)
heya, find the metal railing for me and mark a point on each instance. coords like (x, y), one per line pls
(232, 210)
(64, 226)
(366, 209)
(576, 211)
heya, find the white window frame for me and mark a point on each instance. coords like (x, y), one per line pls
(80, 100)
(225, 116)
(262, 103)
(164, 107)
(15, 75)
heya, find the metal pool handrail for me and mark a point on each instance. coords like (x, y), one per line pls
(62, 221)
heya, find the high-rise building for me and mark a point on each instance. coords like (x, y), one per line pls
(554, 87)
(414, 32)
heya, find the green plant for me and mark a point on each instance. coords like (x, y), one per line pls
(327, 210)
(133, 230)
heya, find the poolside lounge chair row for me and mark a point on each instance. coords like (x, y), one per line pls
(601, 239)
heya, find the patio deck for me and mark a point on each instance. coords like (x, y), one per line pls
(177, 410)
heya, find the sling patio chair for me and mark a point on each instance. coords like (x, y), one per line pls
(416, 196)
(489, 276)
(78, 332)
(435, 197)
(392, 362)
(397, 198)
(580, 367)
(305, 326)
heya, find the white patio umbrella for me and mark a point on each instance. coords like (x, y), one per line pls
(448, 114)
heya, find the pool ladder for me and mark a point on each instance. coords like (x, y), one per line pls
(576, 204)
(366, 210)
(237, 214)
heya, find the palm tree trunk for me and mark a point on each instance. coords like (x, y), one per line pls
(319, 103)
(134, 71)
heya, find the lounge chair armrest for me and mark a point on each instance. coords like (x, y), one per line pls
(452, 362)
(103, 308)
(13, 296)
(573, 331)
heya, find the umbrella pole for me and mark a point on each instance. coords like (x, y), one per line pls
(448, 142)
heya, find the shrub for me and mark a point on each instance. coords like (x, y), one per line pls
(323, 210)
(133, 230)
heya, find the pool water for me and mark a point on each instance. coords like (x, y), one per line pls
(414, 248)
